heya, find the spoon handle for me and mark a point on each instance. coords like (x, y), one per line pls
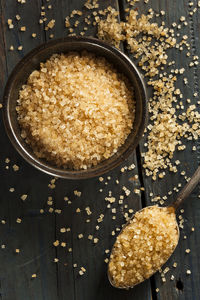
(185, 192)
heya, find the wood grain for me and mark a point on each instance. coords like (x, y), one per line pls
(189, 162)
(3, 71)
(94, 283)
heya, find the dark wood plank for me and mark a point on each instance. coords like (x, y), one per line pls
(3, 72)
(189, 161)
(62, 9)
(3, 77)
(94, 283)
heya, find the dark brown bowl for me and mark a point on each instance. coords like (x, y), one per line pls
(32, 61)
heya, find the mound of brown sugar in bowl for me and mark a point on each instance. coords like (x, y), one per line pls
(76, 111)
(143, 246)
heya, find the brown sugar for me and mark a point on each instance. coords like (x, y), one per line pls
(76, 111)
(143, 246)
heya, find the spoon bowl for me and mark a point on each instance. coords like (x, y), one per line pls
(136, 243)
(171, 209)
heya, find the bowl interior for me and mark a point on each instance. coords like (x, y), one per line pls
(32, 62)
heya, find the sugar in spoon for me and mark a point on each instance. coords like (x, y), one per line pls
(147, 241)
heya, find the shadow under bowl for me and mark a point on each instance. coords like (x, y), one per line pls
(32, 62)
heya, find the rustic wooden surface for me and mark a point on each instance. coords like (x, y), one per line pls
(37, 232)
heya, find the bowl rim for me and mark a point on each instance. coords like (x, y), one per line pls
(48, 168)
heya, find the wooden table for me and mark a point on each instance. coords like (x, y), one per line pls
(35, 235)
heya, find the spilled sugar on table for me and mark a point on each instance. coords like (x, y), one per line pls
(33, 273)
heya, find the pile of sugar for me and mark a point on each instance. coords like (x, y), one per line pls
(149, 43)
(143, 246)
(76, 111)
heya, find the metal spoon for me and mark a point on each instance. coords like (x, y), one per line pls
(185, 192)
